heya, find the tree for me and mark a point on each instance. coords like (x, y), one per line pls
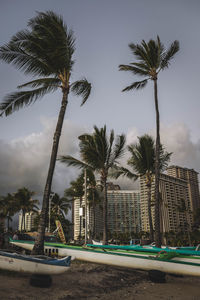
(142, 161)
(75, 191)
(98, 153)
(44, 51)
(23, 199)
(59, 206)
(152, 58)
(183, 209)
(8, 208)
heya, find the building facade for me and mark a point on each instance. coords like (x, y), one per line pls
(175, 204)
(191, 177)
(123, 213)
(29, 221)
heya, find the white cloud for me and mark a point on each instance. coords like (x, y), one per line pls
(24, 161)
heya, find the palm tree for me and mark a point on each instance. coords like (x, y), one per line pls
(23, 199)
(152, 58)
(8, 208)
(76, 190)
(183, 209)
(45, 52)
(59, 206)
(142, 162)
(98, 153)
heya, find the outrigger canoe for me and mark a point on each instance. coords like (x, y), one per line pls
(33, 264)
(148, 248)
(180, 265)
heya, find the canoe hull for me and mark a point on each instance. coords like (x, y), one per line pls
(186, 266)
(22, 263)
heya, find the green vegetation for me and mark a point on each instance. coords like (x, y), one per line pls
(99, 153)
(142, 161)
(152, 57)
(45, 51)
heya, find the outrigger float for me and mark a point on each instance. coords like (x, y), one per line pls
(173, 263)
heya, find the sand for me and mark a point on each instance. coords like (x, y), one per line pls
(92, 281)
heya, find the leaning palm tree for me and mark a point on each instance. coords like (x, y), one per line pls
(45, 52)
(142, 161)
(152, 58)
(98, 153)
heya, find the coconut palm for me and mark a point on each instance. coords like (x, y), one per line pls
(59, 206)
(142, 162)
(45, 52)
(152, 58)
(8, 208)
(98, 153)
(76, 190)
(23, 199)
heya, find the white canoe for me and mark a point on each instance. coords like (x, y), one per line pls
(181, 266)
(32, 264)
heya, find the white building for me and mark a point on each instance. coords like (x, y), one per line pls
(29, 221)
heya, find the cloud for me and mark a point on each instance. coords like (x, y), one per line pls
(25, 161)
(177, 139)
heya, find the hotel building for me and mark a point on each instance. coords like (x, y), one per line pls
(123, 213)
(29, 221)
(179, 196)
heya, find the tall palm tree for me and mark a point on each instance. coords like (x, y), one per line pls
(43, 51)
(98, 153)
(142, 161)
(23, 199)
(152, 58)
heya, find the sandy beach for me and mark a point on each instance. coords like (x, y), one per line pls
(92, 281)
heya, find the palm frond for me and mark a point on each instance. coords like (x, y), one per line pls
(174, 48)
(14, 101)
(81, 88)
(133, 69)
(118, 150)
(41, 82)
(136, 85)
(23, 59)
(71, 161)
(117, 171)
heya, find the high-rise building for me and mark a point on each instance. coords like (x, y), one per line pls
(94, 218)
(124, 211)
(29, 221)
(191, 177)
(175, 204)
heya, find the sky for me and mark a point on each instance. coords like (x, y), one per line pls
(103, 31)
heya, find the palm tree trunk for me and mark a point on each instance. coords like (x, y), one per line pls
(39, 243)
(94, 216)
(22, 220)
(80, 220)
(8, 222)
(157, 170)
(105, 200)
(149, 213)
